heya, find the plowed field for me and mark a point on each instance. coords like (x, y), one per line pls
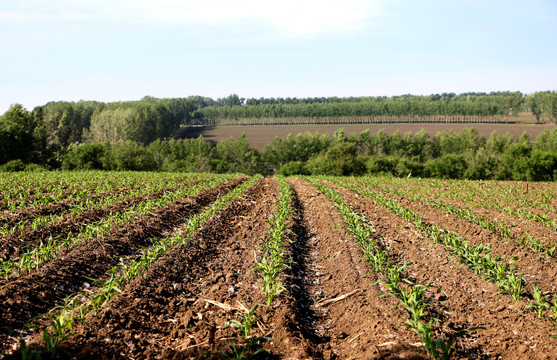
(212, 266)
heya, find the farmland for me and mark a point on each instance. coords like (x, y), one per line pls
(184, 265)
(261, 135)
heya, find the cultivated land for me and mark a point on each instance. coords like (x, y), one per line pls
(261, 135)
(148, 265)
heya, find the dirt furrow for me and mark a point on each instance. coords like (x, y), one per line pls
(39, 190)
(536, 267)
(361, 325)
(516, 224)
(12, 247)
(37, 292)
(509, 331)
(180, 308)
(59, 206)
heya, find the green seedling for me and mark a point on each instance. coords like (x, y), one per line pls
(241, 352)
(541, 302)
(246, 322)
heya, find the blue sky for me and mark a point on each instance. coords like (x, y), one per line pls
(112, 50)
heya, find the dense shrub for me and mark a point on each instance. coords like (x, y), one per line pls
(340, 160)
(129, 155)
(13, 165)
(85, 156)
(293, 168)
(450, 166)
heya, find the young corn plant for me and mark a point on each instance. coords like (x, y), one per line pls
(477, 257)
(246, 322)
(45, 252)
(411, 296)
(61, 327)
(131, 268)
(274, 260)
(243, 352)
(487, 223)
(541, 302)
(62, 319)
(270, 270)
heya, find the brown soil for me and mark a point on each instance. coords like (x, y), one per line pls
(168, 313)
(261, 135)
(39, 291)
(538, 268)
(362, 325)
(331, 308)
(56, 207)
(165, 314)
(510, 331)
(12, 247)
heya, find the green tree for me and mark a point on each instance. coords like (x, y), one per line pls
(85, 156)
(236, 156)
(449, 166)
(129, 155)
(16, 132)
(340, 159)
(542, 166)
(515, 162)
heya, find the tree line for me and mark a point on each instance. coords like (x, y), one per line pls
(495, 104)
(54, 135)
(464, 155)
(476, 104)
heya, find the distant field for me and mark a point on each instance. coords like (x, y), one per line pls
(260, 135)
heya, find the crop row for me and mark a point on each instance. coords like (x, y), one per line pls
(81, 305)
(478, 257)
(272, 260)
(20, 191)
(412, 297)
(532, 202)
(465, 213)
(78, 207)
(44, 252)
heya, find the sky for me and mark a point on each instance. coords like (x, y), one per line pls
(119, 50)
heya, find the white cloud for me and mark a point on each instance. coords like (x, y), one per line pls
(291, 18)
(288, 17)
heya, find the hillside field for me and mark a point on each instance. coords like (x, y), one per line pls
(187, 265)
(261, 135)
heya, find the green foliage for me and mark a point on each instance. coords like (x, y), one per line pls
(293, 168)
(542, 166)
(34, 167)
(236, 156)
(544, 105)
(85, 156)
(16, 134)
(340, 159)
(478, 104)
(450, 166)
(300, 148)
(381, 165)
(135, 136)
(516, 160)
(129, 155)
(12, 166)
